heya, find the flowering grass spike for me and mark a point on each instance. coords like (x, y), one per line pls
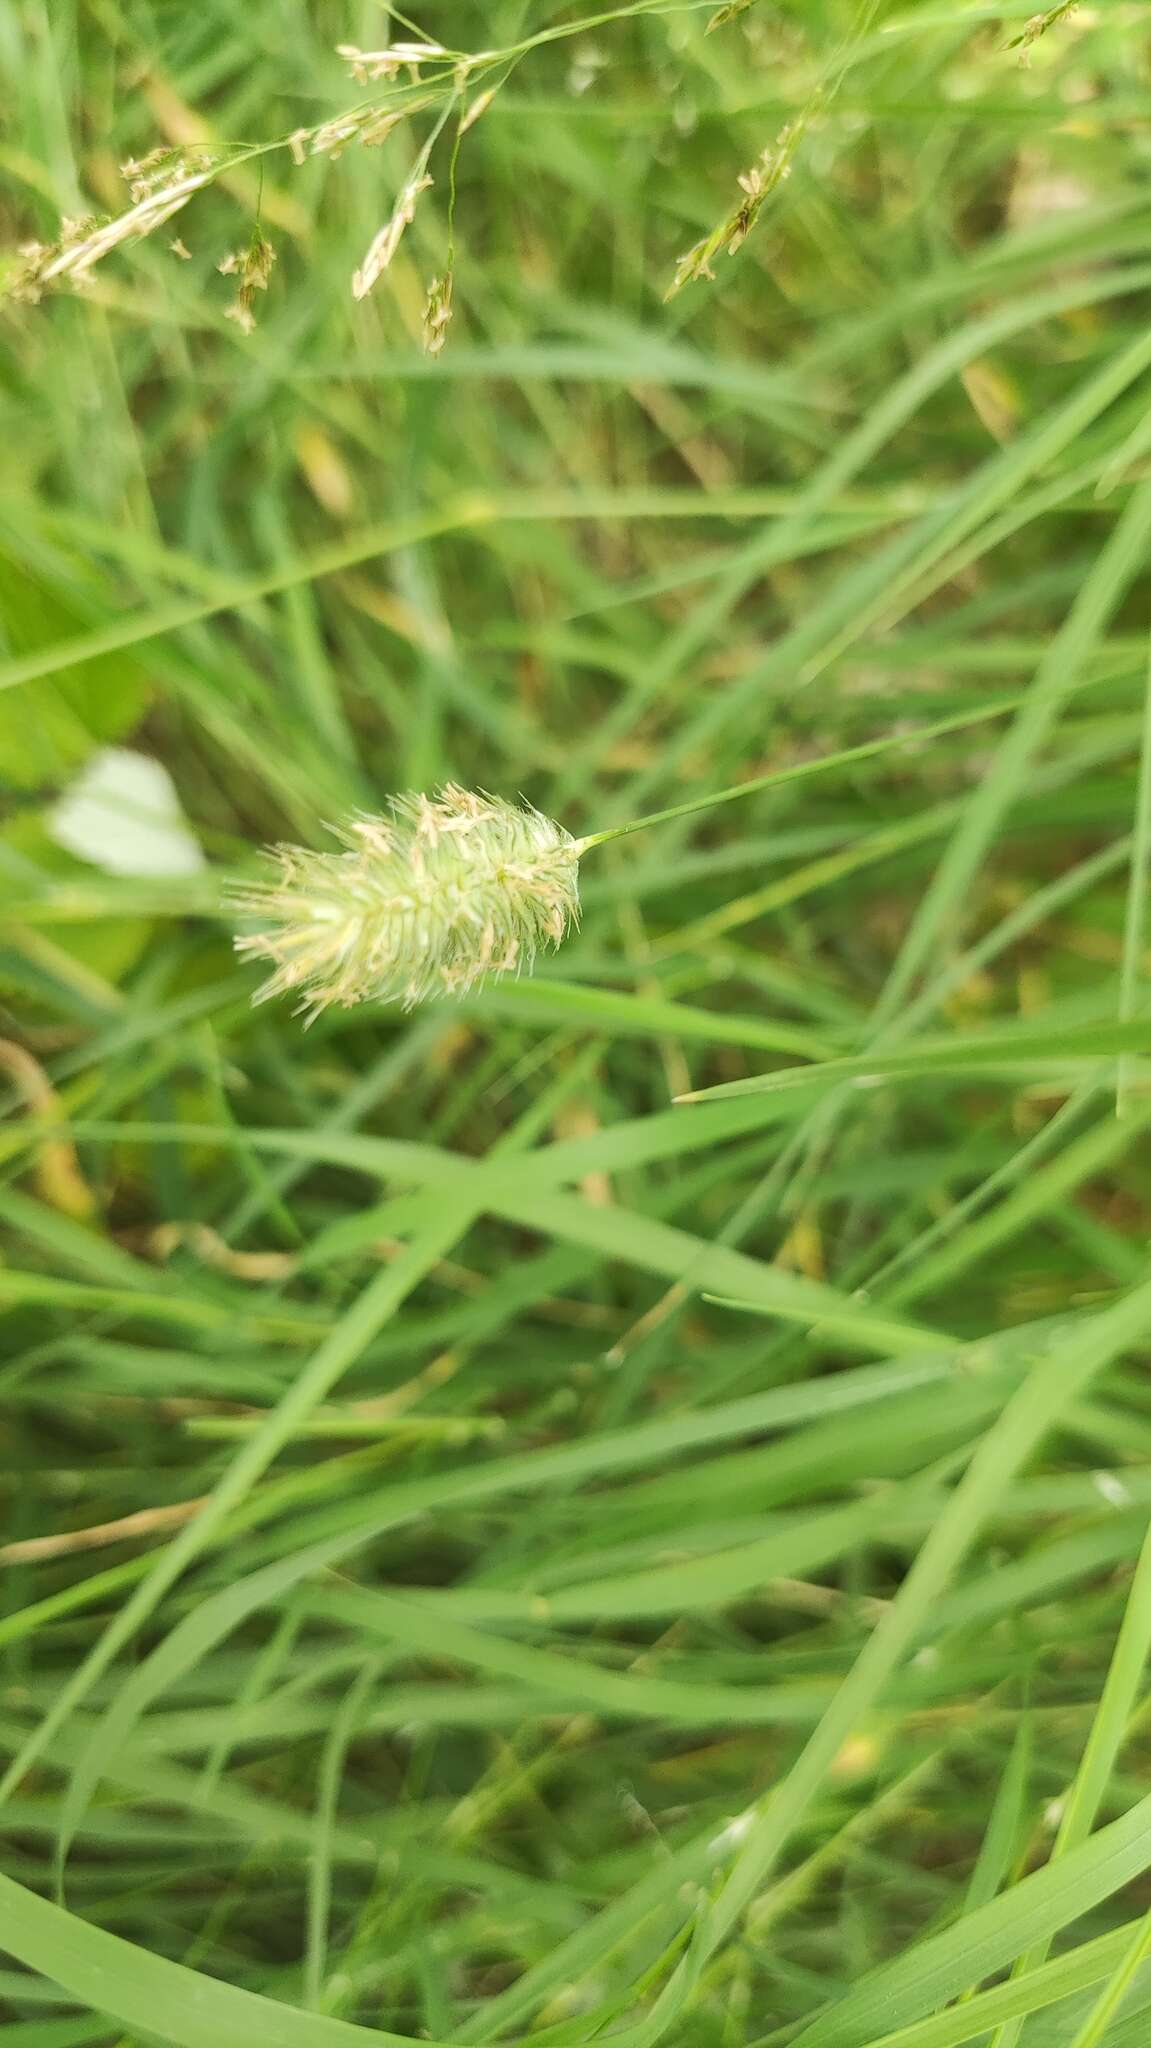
(451, 889)
(432, 900)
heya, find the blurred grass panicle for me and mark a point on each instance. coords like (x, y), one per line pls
(494, 1553)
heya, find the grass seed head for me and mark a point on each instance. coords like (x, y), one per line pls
(444, 893)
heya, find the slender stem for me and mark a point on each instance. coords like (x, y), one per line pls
(1136, 910)
(801, 769)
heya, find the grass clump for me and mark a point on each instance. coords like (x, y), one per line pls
(496, 1550)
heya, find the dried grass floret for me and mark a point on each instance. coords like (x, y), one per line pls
(385, 244)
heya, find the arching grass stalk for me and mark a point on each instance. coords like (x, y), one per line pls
(449, 890)
(412, 76)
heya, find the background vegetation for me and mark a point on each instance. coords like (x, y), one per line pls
(581, 1566)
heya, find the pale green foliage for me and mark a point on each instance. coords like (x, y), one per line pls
(445, 893)
(431, 1612)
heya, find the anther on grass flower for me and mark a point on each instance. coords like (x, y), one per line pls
(368, 65)
(444, 893)
(251, 267)
(164, 167)
(388, 240)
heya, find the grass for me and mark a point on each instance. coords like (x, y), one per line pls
(617, 1508)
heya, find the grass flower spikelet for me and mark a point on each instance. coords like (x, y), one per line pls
(388, 240)
(445, 892)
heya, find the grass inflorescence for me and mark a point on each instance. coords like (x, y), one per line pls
(440, 895)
